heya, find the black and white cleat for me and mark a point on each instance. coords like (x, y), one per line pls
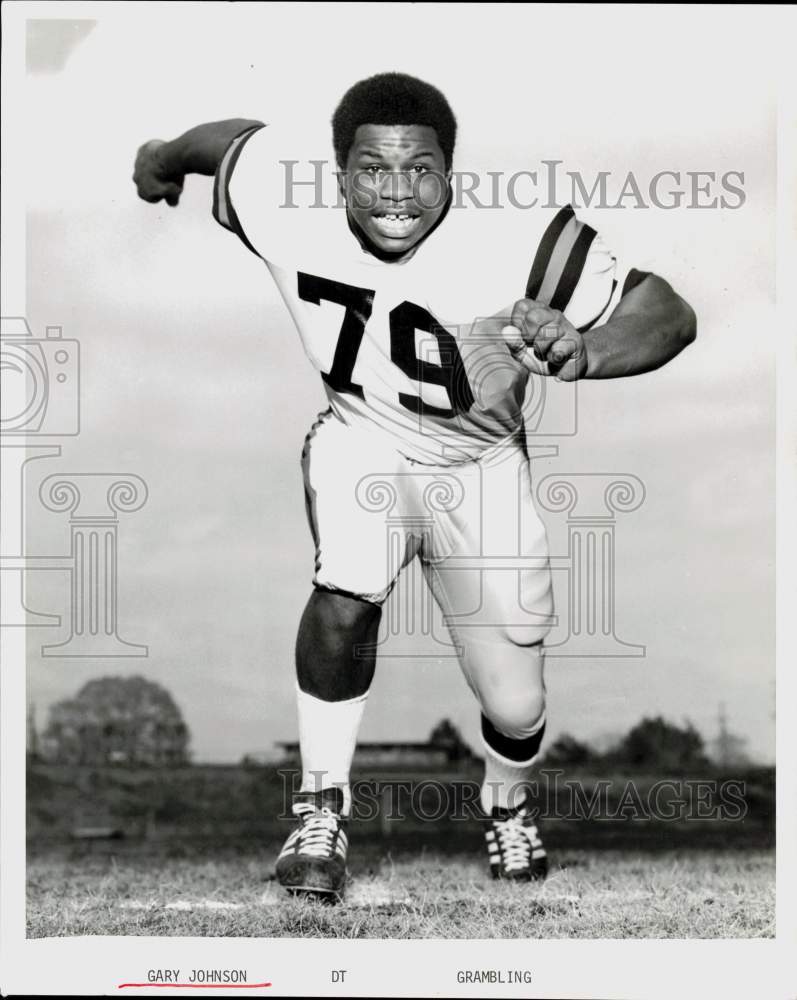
(312, 862)
(514, 846)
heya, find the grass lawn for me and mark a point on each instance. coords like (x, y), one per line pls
(409, 893)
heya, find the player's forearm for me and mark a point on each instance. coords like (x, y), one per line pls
(649, 327)
(200, 149)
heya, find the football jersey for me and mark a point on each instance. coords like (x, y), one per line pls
(409, 349)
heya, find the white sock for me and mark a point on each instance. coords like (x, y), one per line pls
(503, 777)
(327, 737)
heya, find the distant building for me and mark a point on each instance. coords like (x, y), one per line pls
(445, 750)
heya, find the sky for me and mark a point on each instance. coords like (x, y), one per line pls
(193, 377)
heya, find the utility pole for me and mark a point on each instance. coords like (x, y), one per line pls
(33, 737)
(728, 748)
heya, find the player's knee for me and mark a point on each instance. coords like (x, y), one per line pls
(526, 636)
(516, 716)
(515, 702)
(508, 680)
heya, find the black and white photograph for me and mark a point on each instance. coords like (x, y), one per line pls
(398, 481)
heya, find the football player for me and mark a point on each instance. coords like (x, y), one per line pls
(424, 323)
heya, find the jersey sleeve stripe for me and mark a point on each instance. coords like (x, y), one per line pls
(571, 273)
(558, 262)
(221, 194)
(223, 209)
(545, 250)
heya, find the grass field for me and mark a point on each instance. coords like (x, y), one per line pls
(408, 893)
(197, 848)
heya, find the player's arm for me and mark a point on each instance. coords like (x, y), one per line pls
(160, 167)
(650, 325)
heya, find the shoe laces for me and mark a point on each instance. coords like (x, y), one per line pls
(514, 839)
(318, 830)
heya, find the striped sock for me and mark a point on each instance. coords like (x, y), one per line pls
(508, 765)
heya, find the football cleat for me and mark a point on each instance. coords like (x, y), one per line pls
(514, 846)
(312, 861)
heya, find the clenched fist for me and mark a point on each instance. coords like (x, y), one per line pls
(545, 342)
(153, 181)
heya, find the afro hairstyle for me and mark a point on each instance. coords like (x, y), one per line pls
(393, 99)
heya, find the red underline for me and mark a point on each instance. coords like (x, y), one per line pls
(197, 986)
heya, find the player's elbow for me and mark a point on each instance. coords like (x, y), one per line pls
(687, 324)
(681, 321)
(670, 314)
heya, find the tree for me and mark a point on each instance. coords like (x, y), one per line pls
(568, 751)
(111, 720)
(445, 734)
(662, 746)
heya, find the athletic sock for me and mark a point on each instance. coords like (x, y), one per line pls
(327, 738)
(508, 764)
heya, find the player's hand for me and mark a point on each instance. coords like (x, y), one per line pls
(152, 180)
(545, 341)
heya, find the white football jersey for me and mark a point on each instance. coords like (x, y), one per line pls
(403, 347)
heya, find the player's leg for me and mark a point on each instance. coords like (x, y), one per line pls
(336, 646)
(354, 571)
(506, 674)
(499, 618)
(512, 729)
(335, 661)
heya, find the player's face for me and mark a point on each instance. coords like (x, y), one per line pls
(396, 184)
